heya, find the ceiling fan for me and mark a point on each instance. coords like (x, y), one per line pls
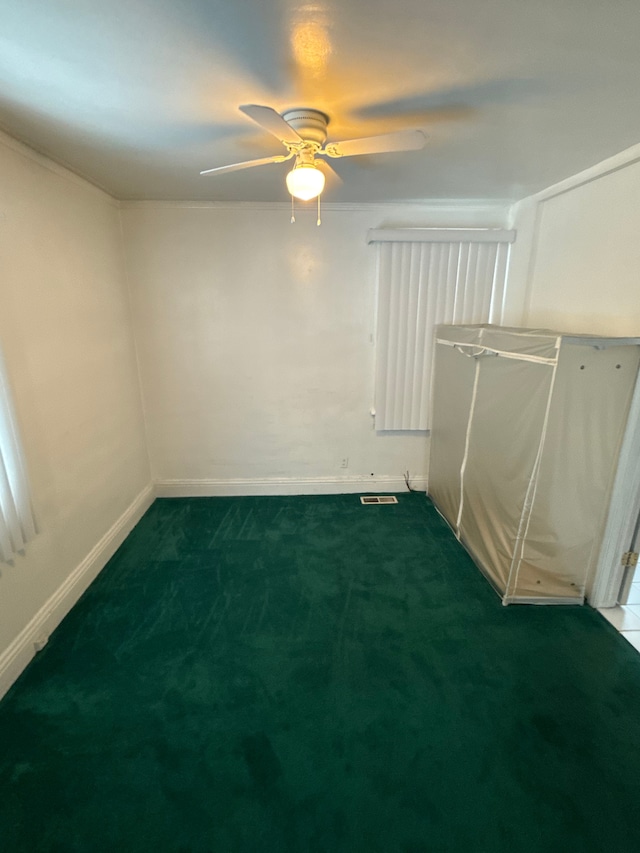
(303, 132)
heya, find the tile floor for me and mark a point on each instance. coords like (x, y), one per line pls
(626, 617)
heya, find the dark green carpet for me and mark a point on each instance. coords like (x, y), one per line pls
(307, 674)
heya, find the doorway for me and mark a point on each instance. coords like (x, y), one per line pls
(631, 574)
(625, 616)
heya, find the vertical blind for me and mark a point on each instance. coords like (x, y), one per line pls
(17, 525)
(423, 282)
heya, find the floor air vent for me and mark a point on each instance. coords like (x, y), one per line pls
(379, 499)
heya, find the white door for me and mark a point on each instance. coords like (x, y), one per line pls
(631, 569)
(624, 510)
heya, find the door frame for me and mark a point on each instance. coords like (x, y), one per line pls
(624, 509)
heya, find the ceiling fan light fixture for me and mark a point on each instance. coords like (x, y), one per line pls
(305, 181)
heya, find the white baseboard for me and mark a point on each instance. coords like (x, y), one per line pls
(16, 657)
(285, 486)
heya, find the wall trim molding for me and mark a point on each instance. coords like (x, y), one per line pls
(20, 652)
(625, 158)
(499, 207)
(285, 486)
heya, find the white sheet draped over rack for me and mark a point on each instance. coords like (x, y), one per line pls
(527, 427)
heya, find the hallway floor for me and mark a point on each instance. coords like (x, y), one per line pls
(626, 617)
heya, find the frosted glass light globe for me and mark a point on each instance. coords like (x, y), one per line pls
(305, 182)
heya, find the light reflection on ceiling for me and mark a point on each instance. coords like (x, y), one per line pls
(140, 95)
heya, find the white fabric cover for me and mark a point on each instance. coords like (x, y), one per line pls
(452, 391)
(543, 417)
(503, 449)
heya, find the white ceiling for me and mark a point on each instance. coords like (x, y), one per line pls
(140, 95)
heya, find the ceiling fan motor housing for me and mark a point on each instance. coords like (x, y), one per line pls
(311, 125)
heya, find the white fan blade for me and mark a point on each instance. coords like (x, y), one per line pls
(332, 177)
(272, 121)
(403, 140)
(248, 164)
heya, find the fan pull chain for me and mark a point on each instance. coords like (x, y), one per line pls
(293, 213)
(319, 222)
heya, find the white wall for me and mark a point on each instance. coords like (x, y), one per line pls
(576, 263)
(66, 333)
(256, 345)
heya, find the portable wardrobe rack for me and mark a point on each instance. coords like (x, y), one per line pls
(525, 436)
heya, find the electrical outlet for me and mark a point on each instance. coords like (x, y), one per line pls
(344, 462)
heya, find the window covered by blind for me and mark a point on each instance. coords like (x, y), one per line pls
(423, 282)
(17, 524)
